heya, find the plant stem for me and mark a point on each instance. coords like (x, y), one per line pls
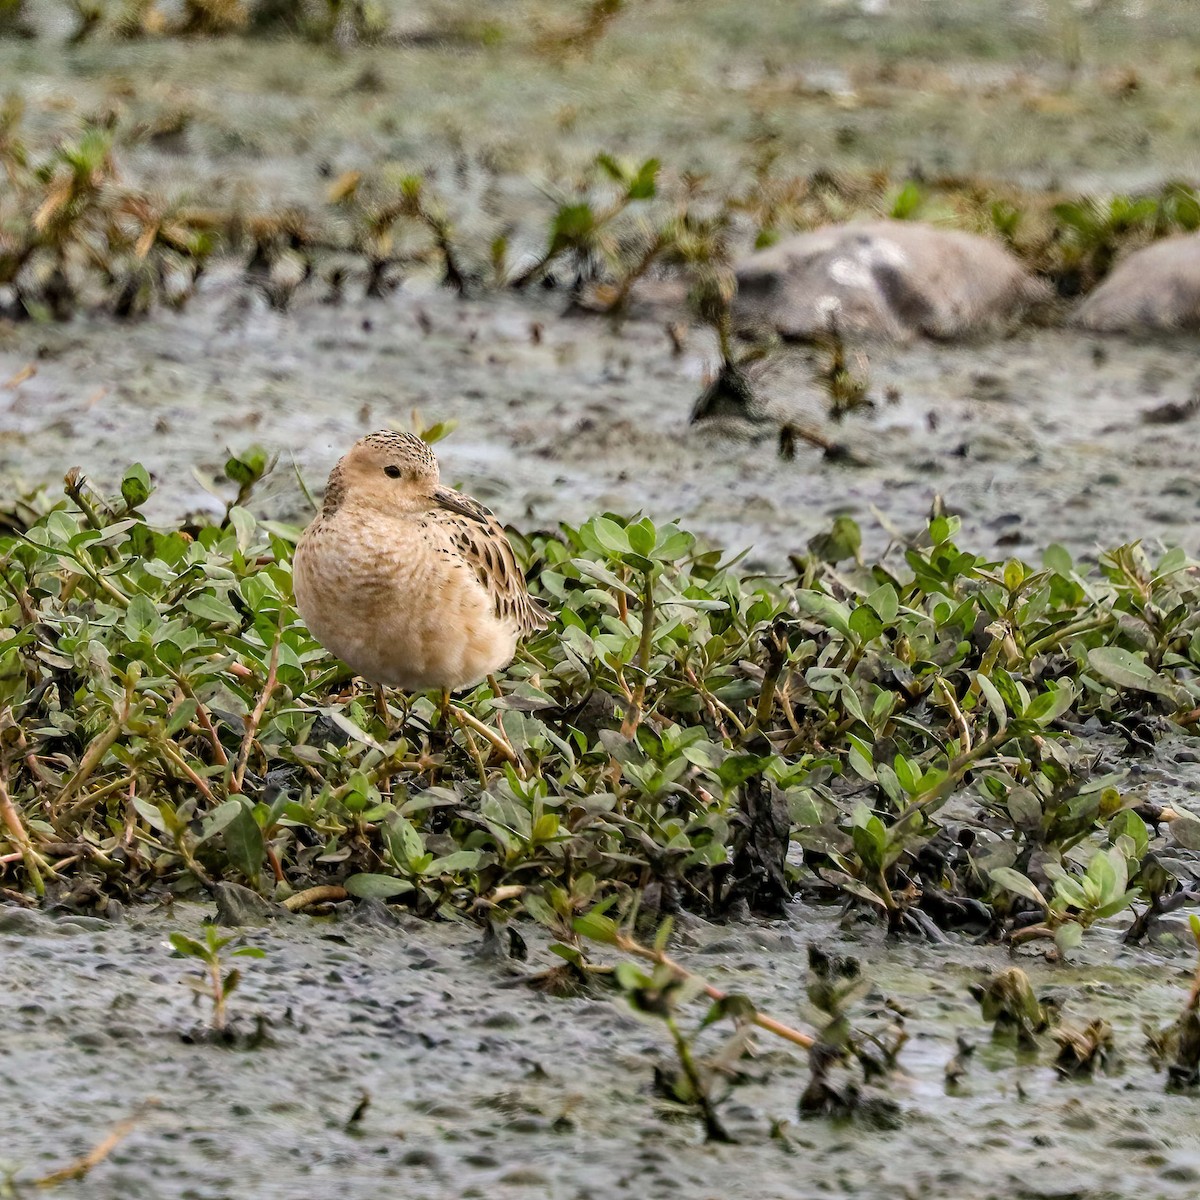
(645, 649)
(90, 761)
(239, 771)
(20, 836)
(630, 946)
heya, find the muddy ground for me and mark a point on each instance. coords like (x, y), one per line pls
(478, 1088)
(1035, 439)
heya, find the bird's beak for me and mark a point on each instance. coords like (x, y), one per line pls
(445, 497)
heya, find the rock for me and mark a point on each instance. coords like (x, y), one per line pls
(23, 922)
(1156, 288)
(884, 279)
(239, 906)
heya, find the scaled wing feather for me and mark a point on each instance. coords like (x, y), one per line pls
(481, 542)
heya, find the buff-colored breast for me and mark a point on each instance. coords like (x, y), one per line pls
(394, 601)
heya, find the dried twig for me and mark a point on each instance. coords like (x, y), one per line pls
(630, 946)
(99, 1152)
(322, 894)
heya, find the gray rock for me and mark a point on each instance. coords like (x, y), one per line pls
(23, 922)
(239, 906)
(884, 279)
(1156, 288)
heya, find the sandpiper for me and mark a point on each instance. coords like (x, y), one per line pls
(412, 584)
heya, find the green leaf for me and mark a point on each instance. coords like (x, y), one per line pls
(844, 540)
(1014, 881)
(248, 468)
(540, 911)
(870, 837)
(642, 537)
(455, 863)
(994, 700)
(573, 225)
(136, 486)
(141, 618)
(663, 936)
(188, 947)
(244, 843)
(865, 623)
(597, 928)
(405, 844)
(1126, 670)
(151, 814)
(610, 536)
(219, 818)
(1051, 704)
(832, 612)
(206, 606)
(908, 773)
(1056, 558)
(885, 602)
(182, 713)
(1068, 936)
(644, 184)
(376, 887)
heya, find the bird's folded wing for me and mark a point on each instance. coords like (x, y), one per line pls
(483, 545)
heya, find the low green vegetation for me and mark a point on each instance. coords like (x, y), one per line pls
(903, 736)
(214, 983)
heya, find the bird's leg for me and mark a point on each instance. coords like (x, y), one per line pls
(381, 707)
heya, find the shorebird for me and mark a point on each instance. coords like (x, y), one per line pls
(413, 585)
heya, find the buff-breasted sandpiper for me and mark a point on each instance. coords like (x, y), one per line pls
(411, 584)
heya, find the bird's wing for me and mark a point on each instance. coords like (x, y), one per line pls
(482, 544)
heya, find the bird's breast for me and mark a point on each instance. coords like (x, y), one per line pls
(397, 604)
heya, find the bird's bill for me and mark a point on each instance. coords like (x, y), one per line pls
(456, 502)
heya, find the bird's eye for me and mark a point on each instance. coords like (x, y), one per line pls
(392, 472)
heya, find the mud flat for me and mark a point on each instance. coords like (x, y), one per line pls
(1048, 436)
(480, 1088)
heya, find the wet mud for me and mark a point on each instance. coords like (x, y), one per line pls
(477, 1087)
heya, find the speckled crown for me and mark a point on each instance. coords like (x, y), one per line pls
(407, 444)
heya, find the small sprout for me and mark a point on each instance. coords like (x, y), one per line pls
(960, 1064)
(214, 982)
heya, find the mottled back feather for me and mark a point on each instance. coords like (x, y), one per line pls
(483, 545)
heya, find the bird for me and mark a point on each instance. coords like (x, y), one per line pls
(410, 583)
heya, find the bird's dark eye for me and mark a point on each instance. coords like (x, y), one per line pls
(392, 472)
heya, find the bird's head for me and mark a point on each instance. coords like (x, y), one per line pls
(396, 472)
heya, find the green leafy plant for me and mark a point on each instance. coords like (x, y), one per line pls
(660, 992)
(214, 982)
(714, 739)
